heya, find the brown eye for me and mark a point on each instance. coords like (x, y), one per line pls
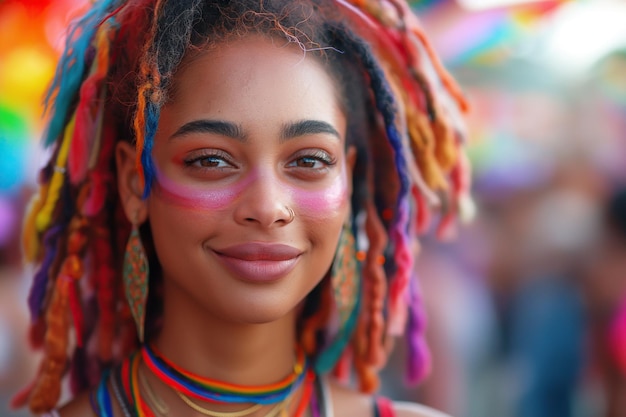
(211, 160)
(316, 160)
(307, 162)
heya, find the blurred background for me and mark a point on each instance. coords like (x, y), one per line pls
(528, 305)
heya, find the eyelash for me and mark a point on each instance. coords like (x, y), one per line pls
(316, 155)
(204, 155)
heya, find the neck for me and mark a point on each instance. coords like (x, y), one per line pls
(238, 353)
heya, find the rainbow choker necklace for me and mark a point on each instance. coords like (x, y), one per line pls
(211, 390)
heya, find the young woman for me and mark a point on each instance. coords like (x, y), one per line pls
(230, 208)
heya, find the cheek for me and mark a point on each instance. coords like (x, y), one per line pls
(197, 198)
(323, 204)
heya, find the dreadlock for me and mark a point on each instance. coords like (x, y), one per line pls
(117, 72)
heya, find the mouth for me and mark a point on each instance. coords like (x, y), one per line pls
(259, 262)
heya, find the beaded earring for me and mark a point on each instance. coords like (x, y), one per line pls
(346, 289)
(136, 271)
(344, 275)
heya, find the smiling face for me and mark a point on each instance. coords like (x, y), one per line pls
(253, 180)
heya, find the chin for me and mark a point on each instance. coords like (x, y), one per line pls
(259, 306)
(262, 318)
(262, 314)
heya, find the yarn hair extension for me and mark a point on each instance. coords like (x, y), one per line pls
(119, 68)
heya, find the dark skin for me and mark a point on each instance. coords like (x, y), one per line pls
(255, 167)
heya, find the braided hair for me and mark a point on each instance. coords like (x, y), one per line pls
(405, 119)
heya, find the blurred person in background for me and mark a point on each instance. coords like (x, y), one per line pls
(534, 236)
(16, 358)
(605, 286)
(600, 128)
(548, 320)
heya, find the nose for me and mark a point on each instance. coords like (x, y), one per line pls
(266, 202)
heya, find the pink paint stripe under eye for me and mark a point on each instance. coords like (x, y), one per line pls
(323, 201)
(197, 197)
(206, 197)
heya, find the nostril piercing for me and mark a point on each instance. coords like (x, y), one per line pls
(292, 215)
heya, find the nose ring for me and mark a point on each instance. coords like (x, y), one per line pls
(292, 215)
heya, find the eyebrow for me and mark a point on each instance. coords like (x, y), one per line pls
(234, 131)
(307, 127)
(218, 127)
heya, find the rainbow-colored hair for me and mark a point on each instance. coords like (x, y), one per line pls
(110, 85)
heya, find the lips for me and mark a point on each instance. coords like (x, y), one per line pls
(259, 262)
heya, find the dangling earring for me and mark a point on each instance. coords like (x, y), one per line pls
(346, 291)
(136, 271)
(345, 276)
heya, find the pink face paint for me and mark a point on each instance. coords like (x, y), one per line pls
(325, 202)
(198, 197)
(317, 204)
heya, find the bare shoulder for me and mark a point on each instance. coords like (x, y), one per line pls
(78, 407)
(347, 402)
(407, 409)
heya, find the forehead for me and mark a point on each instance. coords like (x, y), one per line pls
(254, 81)
(247, 61)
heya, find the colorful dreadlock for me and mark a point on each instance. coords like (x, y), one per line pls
(110, 85)
(425, 133)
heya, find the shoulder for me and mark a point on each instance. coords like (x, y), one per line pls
(407, 409)
(346, 402)
(78, 407)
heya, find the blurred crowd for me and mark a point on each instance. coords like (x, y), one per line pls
(527, 305)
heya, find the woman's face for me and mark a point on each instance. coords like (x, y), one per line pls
(253, 180)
